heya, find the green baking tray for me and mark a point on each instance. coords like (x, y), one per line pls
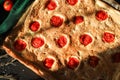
(9, 19)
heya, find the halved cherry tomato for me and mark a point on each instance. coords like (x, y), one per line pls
(73, 63)
(101, 15)
(37, 42)
(93, 61)
(48, 62)
(56, 21)
(72, 2)
(85, 39)
(8, 4)
(78, 19)
(108, 37)
(51, 5)
(62, 41)
(34, 26)
(19, 45)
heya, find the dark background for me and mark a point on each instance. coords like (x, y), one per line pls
(11, 69)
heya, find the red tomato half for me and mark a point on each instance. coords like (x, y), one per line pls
(56, 21)
(51, 5)
(72, 2)
(19, 45)
(101, 15)
(48, 62)
(85, 39)
(78, 19)
(62, 41)
(37, 42)
(34, 26)
(8, 4)
(93, 61)
(73, 63)
(108, 37)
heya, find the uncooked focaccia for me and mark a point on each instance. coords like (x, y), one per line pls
(68, 40)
